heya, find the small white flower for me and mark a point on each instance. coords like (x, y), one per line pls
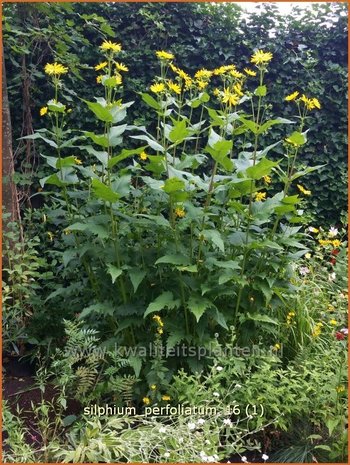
(210, 458)
(162, 429)
(332, 276)
(344, 331)
(166, 454)
(304, 270)
(333, 232)
(264, 457)
(201, 421)
(227, 422)
(191, 426)
(219, 368)
(216, 457)
(216, 394)
(207, 441)
(238, 386)
(244, 459)
(181, 440)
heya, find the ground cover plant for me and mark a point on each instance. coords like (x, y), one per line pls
(176, 264)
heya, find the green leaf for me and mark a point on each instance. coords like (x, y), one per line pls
(67, 161)
(174, 260)
(173, 185)
(260, 91)
(264, 127)
(103, 192)
(37, 135)
(152, 102)
(189, 268)
(100, 111)
(249, 124)
(135, 363)
(114, 135)
(102, 156)
(56, 107)
(151, 142)
(136, 277)
(262, 168)
(197, 305)
(99, 139)
(69, 420)
(179, 132)
(165, 299)
(114, 272)
(215, 237)
(94, 228)
(125, 153)
(297, 138)
(261, 318)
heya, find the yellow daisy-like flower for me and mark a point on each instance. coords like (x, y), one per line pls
(303, 190)
(292, 96)
(99, 79)
(55, 69)
(146, 400)
(236, 74)
(237, 88)
(159, 331)
(340, 389)
(158, 320)
(230, 98)
(219, 71)
(316, 103)
(43, 111)
(260, 57)
(118, 79)
(107, 45)
(153, 387)
(201, 84)
(166, 398)
(174, 87)
(333, 322)
(324, 242)
(310, 103)
(157, 88)
(121, 67)
(250, 72)
(163, 55)
(276, 346)
(203, 74)
(188, 83)
(180, 212)
(101, 65)
(143, 156)
(336, 243)
(216, 92)
(267, 179)
(77, 161)
(260, 196)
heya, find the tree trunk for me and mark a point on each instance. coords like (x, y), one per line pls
(9, 189)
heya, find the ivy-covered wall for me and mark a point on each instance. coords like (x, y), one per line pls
(309, 48)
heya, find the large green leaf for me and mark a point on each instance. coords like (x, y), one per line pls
(151, 102)
(114, 271)
(100, 111)
(197, 305)
(260, 169)
(173, 185)
(179, 132)
(103, 192)
(166, 299)
(174, 260)
(215, 237)
(136, 277)
(125, 153)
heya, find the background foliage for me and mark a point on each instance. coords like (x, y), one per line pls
(308, 46)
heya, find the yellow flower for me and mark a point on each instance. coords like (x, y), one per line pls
(260, 57)
(77, 161)
(336, 243)
(55, 69)
(310, 103)
(250, 72)
(43, 111)
(174, 87)
(118, 79)
(101, 66)
(159, 331)
(143, 156)
(236, 74)
(99, 79)
(260, 196)
(201, 84)
(219, 71)
(216, 92)
(314, 230)
(292, 96)
(267, 179)
(229, 97)
(153, 387)
(166, 397)
(333, 322)
(340, 389)
(203, 74)
(157, 88)
(108, 45)
(146, 400)
(276, 346)
(303, 190)
(238, 89)
(121, 67)
(324, 242)
(331, 308)
(50, 236)
(316, 103)
(163, 55)
(158, 319)
(308, 256)
(180, 212)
